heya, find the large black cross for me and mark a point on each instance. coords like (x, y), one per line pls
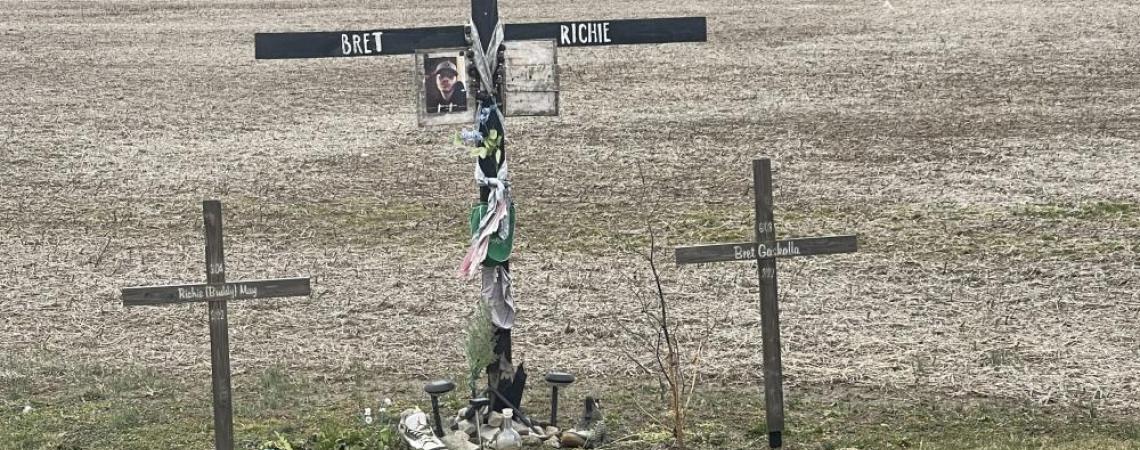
(764, 250)
(484, 17)
(216, 292)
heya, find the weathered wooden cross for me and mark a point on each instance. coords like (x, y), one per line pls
(216, 292)
(484, 24)
(764, 250)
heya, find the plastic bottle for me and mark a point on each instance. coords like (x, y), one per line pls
(508, 438)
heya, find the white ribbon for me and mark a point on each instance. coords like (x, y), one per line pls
(497, 218)
(486, 62)
(486, 59)
(500, 192)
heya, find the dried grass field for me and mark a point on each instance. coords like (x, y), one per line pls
(984, 151)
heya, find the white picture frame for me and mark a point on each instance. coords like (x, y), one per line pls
(434, 107)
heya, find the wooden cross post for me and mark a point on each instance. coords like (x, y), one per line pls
(216, 292)
(764, 250)
(485, 19)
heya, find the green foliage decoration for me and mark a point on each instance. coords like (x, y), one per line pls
(479, 345)
(481, 146)
(333, 436)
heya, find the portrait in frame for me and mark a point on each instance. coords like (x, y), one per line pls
(443, 97)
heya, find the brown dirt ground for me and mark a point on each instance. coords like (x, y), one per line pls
(984, 151)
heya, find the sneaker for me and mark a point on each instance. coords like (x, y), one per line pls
(416, 431)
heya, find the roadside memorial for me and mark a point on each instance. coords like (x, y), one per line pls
(764, 250)
(481, 73)
(216, 292)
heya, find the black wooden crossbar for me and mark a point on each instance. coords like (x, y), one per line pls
(612, 32)
(344, 44)
(188, 293)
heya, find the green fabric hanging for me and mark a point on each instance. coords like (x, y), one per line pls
(498, 250)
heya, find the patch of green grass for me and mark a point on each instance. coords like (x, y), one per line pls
(115, 423)
(713, 224)
(601, 228)
(333, 434)
(353, 220)
(1041, 232)
(1096, 211)
(971, 424)
(76, 404)
(17, 387)
(274, 389)
(832, 417)
(89, 406)
(276, 405)
(1001, 357)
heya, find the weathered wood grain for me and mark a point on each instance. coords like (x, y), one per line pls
(219, 328)
(748, 251)
(190, 293)
(769, 302)
(531, 103)
(530, 87)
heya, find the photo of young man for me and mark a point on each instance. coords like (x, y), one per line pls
(444, 90)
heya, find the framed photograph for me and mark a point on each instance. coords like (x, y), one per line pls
(443, 97)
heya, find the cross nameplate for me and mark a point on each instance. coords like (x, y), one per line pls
(765, 250)
(344, 44)
(216, 291)
(751, 251)
(186, 293)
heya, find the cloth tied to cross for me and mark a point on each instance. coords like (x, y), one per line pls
(494, 223)
(486, 59)
(496, 279)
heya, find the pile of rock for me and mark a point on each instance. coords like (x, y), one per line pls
(465, 432)
(478, 426)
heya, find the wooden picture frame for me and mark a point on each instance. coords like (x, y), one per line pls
(433, 107)
(531, 85)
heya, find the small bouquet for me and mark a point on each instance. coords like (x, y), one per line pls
(481, 146)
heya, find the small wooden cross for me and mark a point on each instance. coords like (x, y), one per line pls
(216, 292)
(764, 251)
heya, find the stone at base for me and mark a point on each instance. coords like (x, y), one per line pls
(571, 439)
(467, 428)
(459, 441)
(488, 433)
(531, 440)
(552, 431)
(553, 442)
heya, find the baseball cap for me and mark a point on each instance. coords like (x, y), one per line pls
(446, 66)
